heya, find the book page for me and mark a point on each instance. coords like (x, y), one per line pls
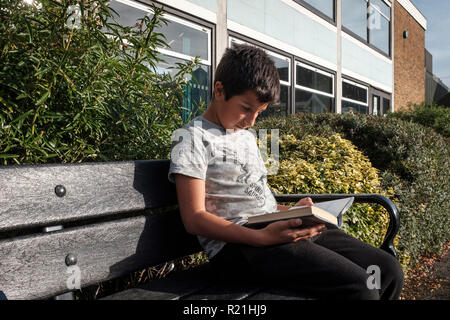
(336, 207)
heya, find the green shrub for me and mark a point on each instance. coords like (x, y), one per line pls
(89, 93)
(432, 116)
(332, 165)
(413, 162)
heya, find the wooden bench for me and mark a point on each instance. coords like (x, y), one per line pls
(107, 220)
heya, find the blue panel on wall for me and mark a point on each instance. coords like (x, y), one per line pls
(356, 59)
(207, 4)
(282, 22)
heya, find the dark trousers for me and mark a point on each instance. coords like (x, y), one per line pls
(332, 265)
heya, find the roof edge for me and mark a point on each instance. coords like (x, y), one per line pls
(414, 12)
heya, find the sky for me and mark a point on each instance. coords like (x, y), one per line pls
(437, 37)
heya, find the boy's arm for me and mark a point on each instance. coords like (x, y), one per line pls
(198, 221)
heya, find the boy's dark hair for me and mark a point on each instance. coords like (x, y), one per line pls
(244, 67)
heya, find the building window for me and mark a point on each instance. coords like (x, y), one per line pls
(380, 102)
(355, 97)
(314, 89)
(283, 65)
(186, 40)
(386, 106)
(354, 17)
(379, 25)
(325, 7)
(369, 20)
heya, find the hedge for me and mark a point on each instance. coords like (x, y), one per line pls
(432, 116)
(413, 162)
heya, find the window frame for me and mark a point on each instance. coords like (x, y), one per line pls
(318, 12)
(315, 68)
(189, 21)
(318, 70)
(192, 25)
(357, 84)
(382, 95)
(367, 42)
(183, 21)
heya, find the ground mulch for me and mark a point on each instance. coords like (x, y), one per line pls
(430, 280)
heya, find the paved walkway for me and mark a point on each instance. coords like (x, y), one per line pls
(430, 280)
(441, 269)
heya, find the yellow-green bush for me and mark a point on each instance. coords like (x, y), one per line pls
(332, 165)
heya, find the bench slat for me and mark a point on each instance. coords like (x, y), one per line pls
(28, 198)
(34, 266)
(172, 287)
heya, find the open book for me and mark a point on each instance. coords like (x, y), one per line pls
(321, 212)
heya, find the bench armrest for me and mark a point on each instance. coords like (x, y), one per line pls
(394, 218)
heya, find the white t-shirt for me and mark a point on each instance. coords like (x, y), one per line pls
(231, 165)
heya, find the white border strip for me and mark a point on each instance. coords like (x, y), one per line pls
(356, 102)
(365, 47)
(314, 91)
(175, 54)
(361, 78)
(192, 9)
(250, 33)
(414, 12)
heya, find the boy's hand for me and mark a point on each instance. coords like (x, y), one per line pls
(305, 202)
(288, 231)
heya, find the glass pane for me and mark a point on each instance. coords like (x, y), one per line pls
(312, 102)
(185, 40)
(324, 6)
(348, 106)
(354, 92)
(198, 92)
(314, 80)
(379, 32)
(354, 16)
(386, 105)
(382, 6)
(280, 108)
(126, 16)
(282, 67)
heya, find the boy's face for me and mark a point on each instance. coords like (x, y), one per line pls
(238, 112)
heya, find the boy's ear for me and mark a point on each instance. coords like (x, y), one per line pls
(219, 91)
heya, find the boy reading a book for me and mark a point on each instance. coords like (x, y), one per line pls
(221, 180)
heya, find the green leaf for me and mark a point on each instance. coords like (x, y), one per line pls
(43, 98)
(6, 156)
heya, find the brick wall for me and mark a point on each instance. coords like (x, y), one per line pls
(409, 59)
